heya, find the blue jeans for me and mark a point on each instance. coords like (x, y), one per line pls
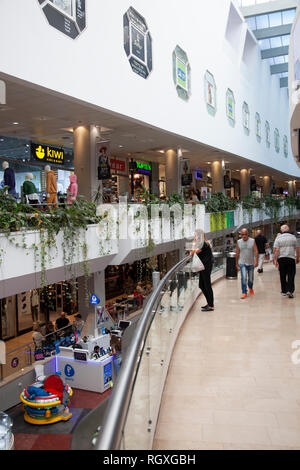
(245, 269)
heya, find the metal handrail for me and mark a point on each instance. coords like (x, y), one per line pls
(110, 437)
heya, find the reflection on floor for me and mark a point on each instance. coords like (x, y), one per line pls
(56, 436)
(231, 382)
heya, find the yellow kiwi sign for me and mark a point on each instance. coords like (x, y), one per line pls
(47, 154)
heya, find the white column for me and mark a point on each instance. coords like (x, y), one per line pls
(172, 172)
(245, 182)
(217, 177)
(267, 183)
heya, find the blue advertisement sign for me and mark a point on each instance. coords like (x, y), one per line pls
(94, 299)
(69, 371)
(107, 372)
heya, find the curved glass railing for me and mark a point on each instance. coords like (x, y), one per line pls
(132, 410)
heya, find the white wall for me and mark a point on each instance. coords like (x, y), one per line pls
(94, 68)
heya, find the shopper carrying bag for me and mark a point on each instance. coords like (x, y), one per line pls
(202, 249)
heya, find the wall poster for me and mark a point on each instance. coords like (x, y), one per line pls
(181, 73)
(230, 107)
(102, 160)
(137, 42)
(277, 140)
(210, 92)
(257, 127)
(67, 16)
(268, 134)
(285, 146)
(246, 118)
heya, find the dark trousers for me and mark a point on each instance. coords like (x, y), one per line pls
(287, 271)
(205, 285)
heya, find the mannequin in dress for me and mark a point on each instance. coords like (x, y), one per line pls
(9, 179)
(51, 186)
(72, 190)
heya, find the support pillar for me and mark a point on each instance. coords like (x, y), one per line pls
(85, 161)
(172, 172)
(245, 182)
(267, 185)
(292, 188)
(96, 285)
(217, 177)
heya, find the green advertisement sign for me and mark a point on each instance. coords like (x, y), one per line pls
(221, 221)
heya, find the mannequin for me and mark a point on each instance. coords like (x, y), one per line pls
(51, 186)
(72, 190)
(9, 179)
(29, 190)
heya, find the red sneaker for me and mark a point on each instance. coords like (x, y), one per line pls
(243, 296)
(251, 291)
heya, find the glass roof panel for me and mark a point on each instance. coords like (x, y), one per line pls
(286, 40)
(264, 44)
(275, 42)
(288, 16)
(279, 60)
(262, 21)
(251, 22)
(275, 19)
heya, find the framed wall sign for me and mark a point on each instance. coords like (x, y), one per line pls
(210, 93)
(230, 107)
(67, 16)
(257, 127)
(47, 154)
(277, 140)
(246, 118)
(137, 42)
(285, 146)
(268, 134)
(181, 73)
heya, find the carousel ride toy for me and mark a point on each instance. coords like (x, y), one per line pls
(47, 402)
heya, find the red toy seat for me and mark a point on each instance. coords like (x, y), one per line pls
(54, 384)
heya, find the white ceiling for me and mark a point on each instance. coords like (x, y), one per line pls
(45, 116)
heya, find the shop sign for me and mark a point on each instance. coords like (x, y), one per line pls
(94, 299)
(67, 16)
(210, 92)
(285, 146)
(267, 129)
(144, 168)
(230, 107)
(137, 42)
(276, 140)
(46, 153)
(181, 73)
(15, 362)
(118, 165)
(258, 127)
(246, 118)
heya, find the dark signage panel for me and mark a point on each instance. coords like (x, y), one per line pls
(186, 180)
(47, 154)
(138, 44)
(138, 67)
(80, 14)
(60, 21)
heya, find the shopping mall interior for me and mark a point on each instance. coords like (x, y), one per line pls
(118, 144)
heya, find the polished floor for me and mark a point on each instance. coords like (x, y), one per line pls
(232, 383)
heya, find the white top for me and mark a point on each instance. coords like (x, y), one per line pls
(287, 243)
(246, 251)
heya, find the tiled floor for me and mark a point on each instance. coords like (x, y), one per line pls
(231, 382)
(56, 436)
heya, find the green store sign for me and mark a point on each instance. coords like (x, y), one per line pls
(221, 221)
(143, 168)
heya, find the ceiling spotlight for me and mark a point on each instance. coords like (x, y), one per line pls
(15, 123)
(120, 146)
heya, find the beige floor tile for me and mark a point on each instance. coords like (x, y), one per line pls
(285, 436)
(163, 444)
(181, 430)
(236, 434)
(244, 418)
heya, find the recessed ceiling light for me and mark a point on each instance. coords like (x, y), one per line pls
(161, 151)
(208, 163)
(120, 146)
(15, 123)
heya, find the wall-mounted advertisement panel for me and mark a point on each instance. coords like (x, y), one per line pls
(181, 73)
(277, 140)
(137, 42)
(67, 16)
(285, 146)
(230, 107)
(246, 118)
(210, 93)
(268, 134)
(258, 127)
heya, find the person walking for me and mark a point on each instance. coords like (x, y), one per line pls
(202, 248)
(246, 260)
(286, 256)
(262, 244)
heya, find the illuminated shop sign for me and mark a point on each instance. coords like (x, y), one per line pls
(144, 168)
(47, 154)
(118, 165)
